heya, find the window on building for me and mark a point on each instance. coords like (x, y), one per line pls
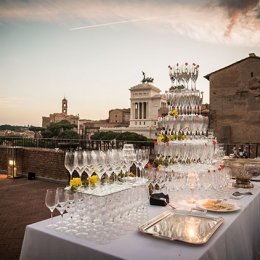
(154, 123)
(252, 74)
(144, 123)
(140, 123)
(135, 123)
(163, 104)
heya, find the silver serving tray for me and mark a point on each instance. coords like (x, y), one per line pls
(183, 226)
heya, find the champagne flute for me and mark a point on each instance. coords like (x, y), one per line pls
(51, 203)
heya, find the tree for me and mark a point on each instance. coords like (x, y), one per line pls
(47, 134)
(68, 134)
(15, 128)
(36, 128)
(62, 129)
(104, 135)
(125, 136)
(130, 136)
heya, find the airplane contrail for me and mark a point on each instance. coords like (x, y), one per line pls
(113, 23)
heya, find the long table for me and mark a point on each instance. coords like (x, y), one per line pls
(237, 238)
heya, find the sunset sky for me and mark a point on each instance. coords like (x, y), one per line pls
(92, 52)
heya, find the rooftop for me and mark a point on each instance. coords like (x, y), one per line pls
(250, 56)
(145, 86)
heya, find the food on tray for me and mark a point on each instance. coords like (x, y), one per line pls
(217, 205)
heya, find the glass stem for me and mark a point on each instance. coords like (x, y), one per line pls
(142, 173)
(89, 181)
(192, 196)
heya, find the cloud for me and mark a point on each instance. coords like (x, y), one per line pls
(235, 5)
(233, 22)
(238, 8)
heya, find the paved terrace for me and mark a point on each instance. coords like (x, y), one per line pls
(22, 202)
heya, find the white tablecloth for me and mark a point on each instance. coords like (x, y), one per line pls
(237, 238)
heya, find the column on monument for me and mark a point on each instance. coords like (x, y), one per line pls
(147, 109)
(140, 110)
(136, 110)
(132, 112)
(144, 113)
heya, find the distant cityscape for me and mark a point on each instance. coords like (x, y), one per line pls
(234, 110)
(19, 131)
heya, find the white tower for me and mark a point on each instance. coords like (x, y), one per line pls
(145, 102)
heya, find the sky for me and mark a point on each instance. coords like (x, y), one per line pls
(93, 52)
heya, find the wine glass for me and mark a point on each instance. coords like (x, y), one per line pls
(80, 160)
(206, 179)
(89, 166)
(128, 157)
(138, 160)
(62, 200)
(71, 209)
(144, 161)
(108, 164)
(69, 162)
(81, 210)
(98, 159)
(193, 183)
(116, 155)
(51, 203)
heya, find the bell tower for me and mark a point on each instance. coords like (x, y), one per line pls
(64, 106)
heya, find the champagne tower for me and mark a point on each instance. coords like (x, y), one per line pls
(183, 131)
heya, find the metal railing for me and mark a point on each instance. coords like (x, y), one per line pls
(64, 144)
(252, 149)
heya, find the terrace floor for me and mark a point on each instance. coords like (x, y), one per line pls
(22, 202)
